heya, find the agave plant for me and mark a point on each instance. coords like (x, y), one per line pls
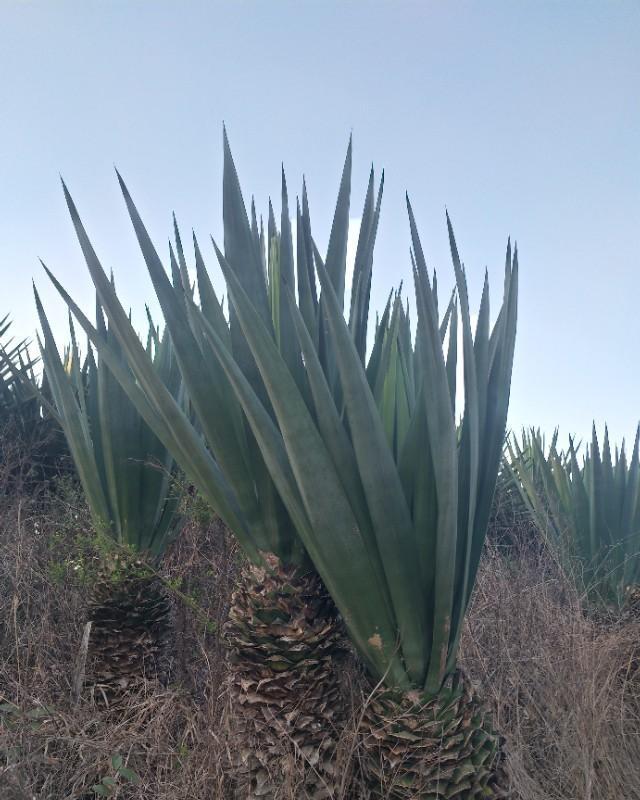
(589, 512)
(20, 397)
(17, 395)
(28, 427)
(389, 497)
(282, 627)
(126, 475)
(17, 378)
(393, 500)
(511, 521)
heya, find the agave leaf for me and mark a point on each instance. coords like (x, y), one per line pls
(373, 366)
(336, 261)
(497, 405)
(363, 267)
(306, 280)
(468, 464)
(442, 437)
(75, 423)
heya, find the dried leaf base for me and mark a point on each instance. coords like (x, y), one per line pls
(430, 748)
(129, 643)
(286, 708)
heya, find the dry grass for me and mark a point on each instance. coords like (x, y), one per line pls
(56, 748)
(557, 680)
(561, 684)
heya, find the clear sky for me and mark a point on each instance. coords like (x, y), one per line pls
(522, 118)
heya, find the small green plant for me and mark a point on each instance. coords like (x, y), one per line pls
(12, 716)
(183, 753)
(193, 504)
(118, 774)
(57, 572)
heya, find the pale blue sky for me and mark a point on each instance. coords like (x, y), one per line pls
(522, 118)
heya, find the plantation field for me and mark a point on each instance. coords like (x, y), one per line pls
(560, 683)
(319, 428)
(283, 547)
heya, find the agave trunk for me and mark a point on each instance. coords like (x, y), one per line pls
(428, 748)
(283, 634)
(631, 607)
(130, 614)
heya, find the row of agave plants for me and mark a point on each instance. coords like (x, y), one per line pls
(25, 414)
(357, 489)
(587, 508)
